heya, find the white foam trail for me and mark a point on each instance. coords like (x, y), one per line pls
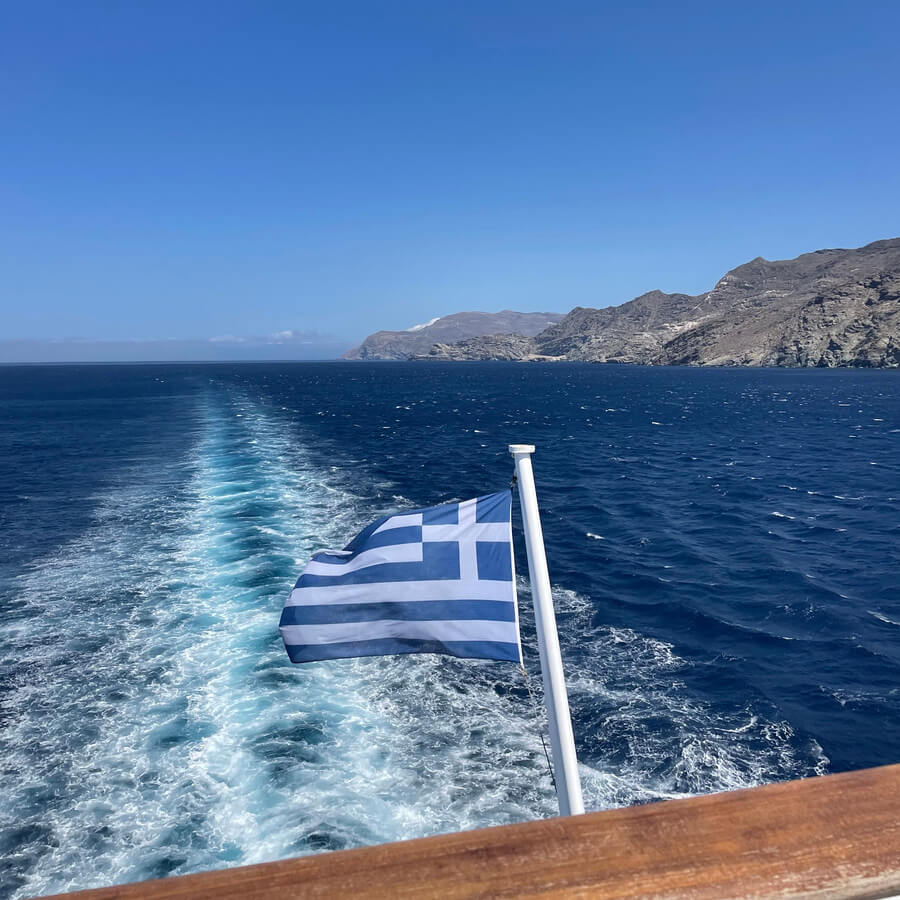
(154, 748)
(188, 741)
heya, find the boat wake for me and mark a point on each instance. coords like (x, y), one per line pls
(153, 724)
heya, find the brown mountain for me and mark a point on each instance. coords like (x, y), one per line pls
(828, 308)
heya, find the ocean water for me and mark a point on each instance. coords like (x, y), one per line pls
(724, 547)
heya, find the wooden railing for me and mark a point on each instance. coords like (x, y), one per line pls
(831, 837)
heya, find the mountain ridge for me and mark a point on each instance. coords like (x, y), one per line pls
(827, 308)
(398, 345)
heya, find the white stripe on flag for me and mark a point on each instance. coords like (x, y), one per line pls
(400, 591)
(459, 630)
(392, 554)
(401, 521)
(476, 531)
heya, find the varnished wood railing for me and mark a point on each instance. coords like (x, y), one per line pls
(831, 837)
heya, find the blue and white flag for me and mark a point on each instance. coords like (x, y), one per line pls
(436, 580)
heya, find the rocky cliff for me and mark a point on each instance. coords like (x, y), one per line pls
(494, 346)
(828, 308)
(447, 330)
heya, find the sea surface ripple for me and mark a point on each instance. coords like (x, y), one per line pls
(724, 547)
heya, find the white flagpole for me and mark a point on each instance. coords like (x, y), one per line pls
(562, 741)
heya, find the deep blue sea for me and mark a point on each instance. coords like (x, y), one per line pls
(724, 547)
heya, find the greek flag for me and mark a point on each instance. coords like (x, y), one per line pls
(436, 580)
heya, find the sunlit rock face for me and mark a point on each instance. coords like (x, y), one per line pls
(828, 308)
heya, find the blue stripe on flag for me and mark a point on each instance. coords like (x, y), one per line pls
(301, 653)
(367, 532)
(408, 534)
(494, 507)
(413, 611)
(440, 562)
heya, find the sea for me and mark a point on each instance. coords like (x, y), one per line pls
(724, 548)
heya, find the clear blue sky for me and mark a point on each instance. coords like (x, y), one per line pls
(197, 169)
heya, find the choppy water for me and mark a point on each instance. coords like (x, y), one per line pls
(724, 547)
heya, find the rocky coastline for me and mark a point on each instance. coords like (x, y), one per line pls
(830, 308)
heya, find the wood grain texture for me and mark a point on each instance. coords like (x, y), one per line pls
(831, 837)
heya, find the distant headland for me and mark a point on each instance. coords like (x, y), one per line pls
(448, 330)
